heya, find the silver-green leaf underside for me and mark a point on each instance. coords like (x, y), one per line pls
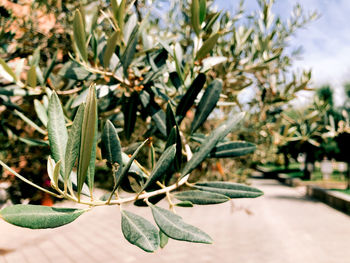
(201, 197)
(174, 227)
(232, 149)
(57, 131)
(111, 148)
(73, 144)
(41, 112)
(88, 139)
(139, 231)
(231, 190)
(38, 217)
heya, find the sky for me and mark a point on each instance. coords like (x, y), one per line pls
(325, 42)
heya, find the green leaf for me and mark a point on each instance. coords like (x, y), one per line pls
(49, 69)
(75, 72)
(39, 217)
(174, 138)
(188, 99)
(218, 134)
(174, 227)
(91, 169)
(33, 142)
(159, 118)
(79, 35)
(210, 62)
(111, 148)
(121, 14)
(195, 17)
(30, 122)
(127, 166)
(130, 50)
(185, 204)
(139, 232)
(202, 10)
(175, 79)
(53, 170)
(170, 119)
(31, 77)
(134, 168)
(57, 131)
(6, 72)
(87, 137)
(162, 166)
(73, 143)
(232, 149)
(110, 48)
(207, 46)
(231, 190)
(41, 112)
(201, 198)
(163, 239)
(129, 110)
(129, 27)
(207, 104)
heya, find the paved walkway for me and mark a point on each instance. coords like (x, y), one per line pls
(282, 226)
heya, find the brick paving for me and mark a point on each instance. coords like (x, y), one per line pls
(283, 226)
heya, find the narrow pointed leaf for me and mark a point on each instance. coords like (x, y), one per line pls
(202, 10)
(30, 122)
(231, 190)
(139, 231)
(185, 204)
(79, 35)
(188, 99)
(91, 169)
(163, 239)
(41, 112)
(57, 131)
(130, 50)
(201, 198)
(127, 166)
(174, 138)
(175, 79)
(207, 46)
(121, 14)
(39, 217)
(111, 148)
(170, 119)
(73, 143)
(87, 137)
(49, 69)
(6, 72)
(195, 16)
(162, 166)
(129, 111)
(50, 169)
(211, 141)
(159, 118)
(31, 77)
(56, 173)
(174, 227)
(232, 149)
(110, 48)
(207, 104)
